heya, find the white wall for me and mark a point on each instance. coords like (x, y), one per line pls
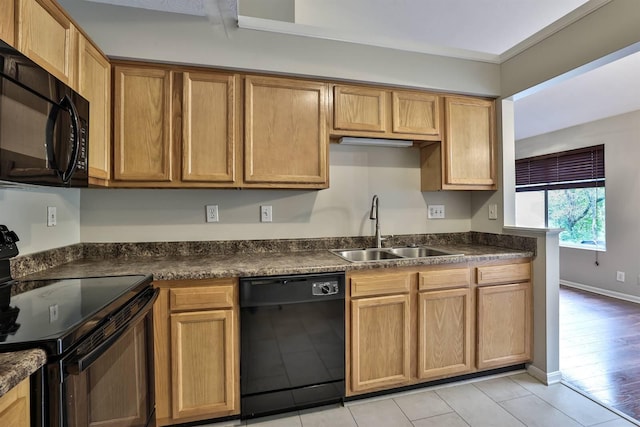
(357, 173)
(604, 31)
(621, 137)
(25, 212)
(135, 33)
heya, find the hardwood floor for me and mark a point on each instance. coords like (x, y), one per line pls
(600, 348)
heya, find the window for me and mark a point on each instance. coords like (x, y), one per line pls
(564, 190)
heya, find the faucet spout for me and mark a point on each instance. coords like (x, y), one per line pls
(374, 215)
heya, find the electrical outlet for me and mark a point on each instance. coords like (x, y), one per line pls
(212, 213)
(493, 211)
(52, 216)
(53, 313)
(266, 214)
(435, 211)
(620, 276)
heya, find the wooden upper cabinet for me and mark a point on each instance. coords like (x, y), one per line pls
(364, 111)
(466, 157)
(469, 142)
(209, 127)
(285, 133)
(415, 113)
(359, 108)
(94, 83)
(8, 22)
(142, 123)
(48, 37)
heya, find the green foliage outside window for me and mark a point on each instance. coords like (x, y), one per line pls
(581, 213)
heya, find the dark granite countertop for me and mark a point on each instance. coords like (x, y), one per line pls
(247, 264)
(203, 260)
(16, 366)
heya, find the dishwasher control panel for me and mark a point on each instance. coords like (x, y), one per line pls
(325, 288)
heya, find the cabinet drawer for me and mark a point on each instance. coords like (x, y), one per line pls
(380, 284)
(507, 273)
(441, 279)
(204, 297)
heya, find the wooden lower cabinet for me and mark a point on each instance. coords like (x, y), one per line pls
(196, 350)
(417, 324)
(444, 333)
(14, 406)
(504, 325)
(202, 362)
(380, 342)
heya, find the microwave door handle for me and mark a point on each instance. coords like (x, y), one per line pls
(77, 366)
(49, 138)
(67, 105)
(75, 124)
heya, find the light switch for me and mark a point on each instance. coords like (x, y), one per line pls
(266, 214)
(435, 211)
(52, 216)
(493, 211)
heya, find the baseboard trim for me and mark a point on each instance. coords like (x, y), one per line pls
(547, 378)
(600, 291)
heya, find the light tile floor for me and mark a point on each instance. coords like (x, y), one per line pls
(503, 401)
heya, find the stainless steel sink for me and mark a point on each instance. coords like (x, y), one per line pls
(420, 252)
(361, 255)
(382, 254)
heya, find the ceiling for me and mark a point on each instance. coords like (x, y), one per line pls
(483, 30)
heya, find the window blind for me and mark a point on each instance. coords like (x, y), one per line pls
(579, 168)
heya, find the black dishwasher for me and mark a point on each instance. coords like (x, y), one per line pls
(292, 342)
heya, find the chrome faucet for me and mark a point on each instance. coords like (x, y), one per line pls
(374, 216)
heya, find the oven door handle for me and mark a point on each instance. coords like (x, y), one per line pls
(77, 366)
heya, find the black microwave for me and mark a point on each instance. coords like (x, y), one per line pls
(44, 126)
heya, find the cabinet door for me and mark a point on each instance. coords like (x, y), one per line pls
(444, 333)
(358, 108)
(209, 127)
(286, 139)
(504, 325)
(469, 143)
(203, 367)
(415, 113)
(380, 342)
(8, 22)
(142, 124)
(14, 406)
(94, 83)
(48, 38)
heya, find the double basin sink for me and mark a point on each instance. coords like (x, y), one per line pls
(387, 254)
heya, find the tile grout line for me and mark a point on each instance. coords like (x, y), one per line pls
(594, 400)
(615, 412)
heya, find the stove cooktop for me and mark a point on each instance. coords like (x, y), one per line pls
(54, 314)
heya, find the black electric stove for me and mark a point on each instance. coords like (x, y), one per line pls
(55, 314)
(96, 331)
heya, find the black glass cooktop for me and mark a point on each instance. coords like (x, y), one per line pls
(55, 314)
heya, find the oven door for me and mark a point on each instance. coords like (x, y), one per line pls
(113, 384)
